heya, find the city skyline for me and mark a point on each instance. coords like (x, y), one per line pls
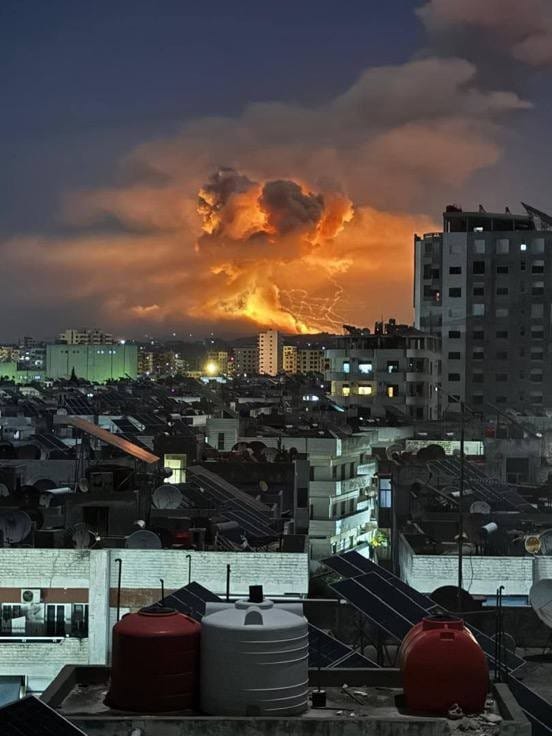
(312, 172)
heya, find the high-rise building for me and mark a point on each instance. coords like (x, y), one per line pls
(289, 359)
(484, 285)
(310, 360)
(270, 352)
(85, 337)
(390, 373)
(245, 360)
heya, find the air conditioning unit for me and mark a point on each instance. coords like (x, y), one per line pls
(31, 595)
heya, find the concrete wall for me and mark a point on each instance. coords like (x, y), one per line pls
(40, 661)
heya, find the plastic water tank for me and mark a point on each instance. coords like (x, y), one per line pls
(155, 661)
(254, 658)
(442, 664)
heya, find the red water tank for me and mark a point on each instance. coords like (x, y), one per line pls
(155, 661)
(442, 664)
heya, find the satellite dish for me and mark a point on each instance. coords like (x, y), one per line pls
(447, 597)
(83, 485)
(532, 544)
(263, 485)
(392, 451)
(4, 490)
(546, 542)
(143, 539)
(82, 537)
(480, 507)
(15, 526)
(540, 598)
(44, 484)
(166, 497)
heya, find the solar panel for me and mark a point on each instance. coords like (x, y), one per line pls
(52, 442)
(249, 523)
(225, 491)
(537, 710)
(31, 717)
(342, 566)
(326, 651)
(190, 600)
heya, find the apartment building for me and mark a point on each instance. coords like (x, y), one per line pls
(85, 337)
(484, 286)
(269, 345)
(245, 360)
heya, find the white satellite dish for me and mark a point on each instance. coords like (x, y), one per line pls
(82, 537)
(143, 539)
(540, 598)
(263, 485)
(167, 497)
(4, 490)
(83, 485)
(392, 451)
(480, 507)
(546, 542)
(15, 526)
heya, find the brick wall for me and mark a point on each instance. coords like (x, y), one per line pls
(44, 568)
(41, 661)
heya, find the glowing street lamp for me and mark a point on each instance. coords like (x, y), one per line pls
(211, 368)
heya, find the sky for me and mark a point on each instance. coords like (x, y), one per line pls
(176, 167)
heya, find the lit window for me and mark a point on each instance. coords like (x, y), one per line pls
(365, 367)
(523, 246)
(392, 391)
(346, 367)
(346, 391)
(364, 390)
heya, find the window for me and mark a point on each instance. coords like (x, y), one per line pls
(523, 247)
(346, 390)
(365, 367)
(478, 267)
(536, 375)
(392, 391)
(478, 335)
(364, 390)
(435, 273)
(478, 354)
(537, 311)
(535, 398)
(537, 355)
(537, 332)
(455, 292)
(478, 291)
(454, 356)
(427, 271)
(479, 247)
(454, 334)
(502, 355)
(453, 377)
(502, 291)
(501, 312)
(502, 334)
(502, 247)
(385, 493)
(428, 248)
(522, 264)
(501, 377)
(346, 366)
(478, 310)
(537, 267)
(455, 270)
(392, 366)
(538, 288)
(220, 441)
(502, 269)
(537, 245)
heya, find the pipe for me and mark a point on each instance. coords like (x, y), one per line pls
(162, 589)
(119, 560)
(189, 558)
(227, 582)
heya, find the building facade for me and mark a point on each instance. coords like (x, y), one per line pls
(269, 345)
(85, 337)
(310, 360)
(392, 373)
(289, 359)
(484, 286)
(245, 361)
(92, 362)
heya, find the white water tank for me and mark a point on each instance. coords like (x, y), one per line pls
(254, 658)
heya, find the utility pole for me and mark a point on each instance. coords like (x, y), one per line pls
(461, 505)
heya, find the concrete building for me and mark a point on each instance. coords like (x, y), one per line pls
(9, 353)
(310, 360)
(391, 373)
(85, 337)
(289, 359)
(245, 360)
(484, 286)
(91, 362)
(269, 345)
(216, 362)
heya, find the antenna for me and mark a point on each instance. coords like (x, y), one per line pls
(166, 497)
(540, 598)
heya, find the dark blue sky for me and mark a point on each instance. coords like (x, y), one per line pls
(82, 82)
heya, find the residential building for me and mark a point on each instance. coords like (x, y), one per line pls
(92, 362)
(484, 286)
(9, 353)
(289, 359)
(392, 373)
(217, 361)
(245, 360)
(310, 360)
(145, 362)
(85, 337)
(270, 352)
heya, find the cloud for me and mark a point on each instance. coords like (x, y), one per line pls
(249, 221)
(523, 28)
